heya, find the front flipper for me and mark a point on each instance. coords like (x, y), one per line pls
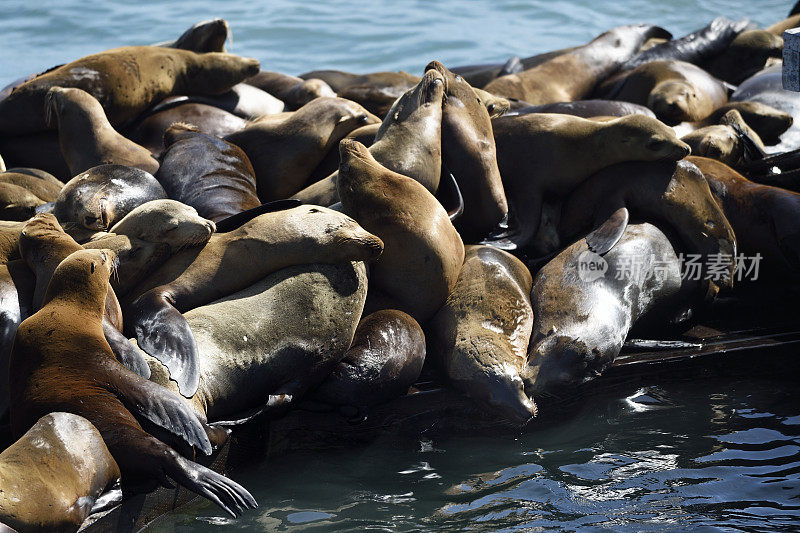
(125, 352)
(162, 407)
(162, 331)
(226, 493)
(605, 236)
(276, 404)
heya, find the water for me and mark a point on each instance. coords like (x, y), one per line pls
(721, 455)
(680, 456)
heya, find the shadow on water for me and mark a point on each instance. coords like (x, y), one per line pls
(672, 457)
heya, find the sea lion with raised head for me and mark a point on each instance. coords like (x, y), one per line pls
(62, 362)
(86, 137)
(198, 276)
(423, 252)
(481, 333)
(203, 171)
(53, 474)
(203, 37)
(125, 81)
(285, 150)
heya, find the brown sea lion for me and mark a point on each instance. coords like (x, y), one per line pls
(137, 258)
(587, 109)
(42, 187)
(53, 474)
(793, 21)
(724, 141)
(330, 164)
(481, 333)
(100, 197)
(768, 122)
(203, 171)
(573, 75)
(62, 362)
(17, 203)
(469, 152)
(423, 251)
(86, 137)
(16, 285)
(675, 91)
(747, 54)
(408, 141)
(198, 276)
(585, 303)
(293, 91)
(285, 150)
(203, 37)
(167, 222)
(376, 91)
(672, 194)
(383, 361)
(125, 81)
(546, 156)
(764, 218)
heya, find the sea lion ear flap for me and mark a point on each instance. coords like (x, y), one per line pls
(605, 236)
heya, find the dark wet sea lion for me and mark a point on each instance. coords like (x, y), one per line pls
(383, 361)
(203, 171)
(573, 75)
(63, 363)
(764, 218)
(53, 474)
(582, 316)
(293, 91)
(675, 91)
(86, 137)
(766, 87)
(99, 198)
(672, 194)
(149, 129)
(423, 252)
(285, 150)
(408, 141)
(697, 47)
(747, 54)
(546, 155)
(195, 277)
(125, 81)
(481, 333)
(587, 109)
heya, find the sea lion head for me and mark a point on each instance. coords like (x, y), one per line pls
(350, 115)
(770, 123)
(205, 36)
(83, 277)
(220, 72)
(311, 90)
(38, 237)
(341, 233)
(166, 221)
(676, 101)
(645, 139)
(136, 257)
(429, 92)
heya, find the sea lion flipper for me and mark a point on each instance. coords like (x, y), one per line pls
(275, 403)
(237, 220)
(605, 236)
(165, 409)
(125, 352)
(226, 493)
(162, 331)
(512, 66)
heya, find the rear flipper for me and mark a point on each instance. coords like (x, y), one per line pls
(125, 352)
(162, 331)
(276, 405)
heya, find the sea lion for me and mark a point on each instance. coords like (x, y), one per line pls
(582, 316)
(16, 285)
(286, 150)
(125, 81)
(137, 258)
(376, 91)
(469, 152)
(203, 171)
(167, 222)
(61, 362)
(261, 349)
(673, 194)
(100, 197)
(243, 100)
(195, 277)
(792, 21)
(86, 137)
(675, 91)
(747, 54)
(330, 164)
(766, 87)
(573, 75)
(539, 156)
(725, 141)
(764, 218)
(42, 187)
(768, 123)
(203, 37)
(383, 361)
(697, 47)
(408, 141)
(587, 109)
(17, 203)
(293, 91)
(53, 474)
(481, 333)
(423, 251)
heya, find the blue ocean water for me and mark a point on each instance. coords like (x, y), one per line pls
(722, 455)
